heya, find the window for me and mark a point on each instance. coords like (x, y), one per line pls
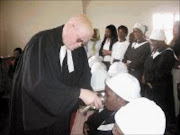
(165, 22)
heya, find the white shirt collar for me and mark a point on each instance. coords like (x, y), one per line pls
(62, 54)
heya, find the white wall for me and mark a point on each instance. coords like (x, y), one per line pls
(103, 13)
(20, 20)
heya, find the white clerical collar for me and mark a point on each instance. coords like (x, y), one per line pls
(62, 54)
(136, 45)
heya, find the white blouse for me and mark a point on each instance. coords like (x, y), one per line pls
(119, 49)
(106, 46)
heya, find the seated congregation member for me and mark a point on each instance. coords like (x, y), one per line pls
(119, 91)
(140, 117)
(110, 38)
(120, 47)
(116, 68)
(137, 52)
(158, 77)
(94, 44)
(94, 59)
(98, 66)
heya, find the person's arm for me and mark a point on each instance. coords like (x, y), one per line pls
(85, 80)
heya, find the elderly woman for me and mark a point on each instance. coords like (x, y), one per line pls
(93, 46)
(158, 76)
(137, 52)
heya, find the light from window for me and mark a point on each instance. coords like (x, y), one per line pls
(165, 22)
(177, 18)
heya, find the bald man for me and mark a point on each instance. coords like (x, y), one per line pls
(51, 76)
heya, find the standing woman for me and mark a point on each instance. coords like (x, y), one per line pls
(137, 52)
(158, 76)
(110, 38)
(93, 46)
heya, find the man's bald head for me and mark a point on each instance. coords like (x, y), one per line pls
(76, 31)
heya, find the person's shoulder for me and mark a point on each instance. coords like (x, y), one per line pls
(116, 43)
(147, 43)
(40, 35)
(46, 33)
(126, 42)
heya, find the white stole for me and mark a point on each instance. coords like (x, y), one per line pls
(62, 54)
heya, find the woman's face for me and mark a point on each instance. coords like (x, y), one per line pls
(137, 34)
(154, 43)
(108, 33)
(112, 101)
(121, 34)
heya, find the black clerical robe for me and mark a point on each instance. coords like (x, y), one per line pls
(44, 93)
(157, 72)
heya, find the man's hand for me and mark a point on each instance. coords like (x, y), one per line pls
(90, 98)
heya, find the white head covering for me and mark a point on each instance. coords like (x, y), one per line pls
(98, 80)
(140, 27)
(97, 67)
(125, 85)
(141, 117)
(93, 60)
(117, 67)
(158, 35)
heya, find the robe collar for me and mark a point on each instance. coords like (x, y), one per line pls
(136, 45)
(158, 51)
